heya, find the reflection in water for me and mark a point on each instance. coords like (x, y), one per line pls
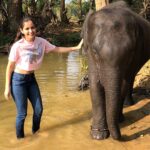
(59, 73)
(73, 71)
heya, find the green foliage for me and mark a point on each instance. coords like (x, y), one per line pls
(40, 5)
(57, 2)
(65, 39)
(137, 5)
(85, 7)
(4, 39)
(74, 9)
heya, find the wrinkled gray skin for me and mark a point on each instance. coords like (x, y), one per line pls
(117, 43)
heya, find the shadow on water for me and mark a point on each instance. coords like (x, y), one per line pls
(85, 116)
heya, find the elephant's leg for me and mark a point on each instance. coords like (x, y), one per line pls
(124, 91)
(99, 129)
(126, 96)
(129, 99)
(113, 99)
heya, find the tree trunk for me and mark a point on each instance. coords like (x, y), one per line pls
(3, 17)
(63, 13)
(14, 13)
(80, 5)
(92, 4)
(52, 2)
(101, 3)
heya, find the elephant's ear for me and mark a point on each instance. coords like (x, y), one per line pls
(98, 40)
(84, 27)
(84, 31)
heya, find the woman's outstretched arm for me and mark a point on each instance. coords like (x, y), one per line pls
(67, 49)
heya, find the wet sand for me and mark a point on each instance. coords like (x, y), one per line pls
(66, 122)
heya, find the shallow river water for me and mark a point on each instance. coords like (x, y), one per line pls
(67, 113)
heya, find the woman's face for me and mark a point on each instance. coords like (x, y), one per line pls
(29, 31)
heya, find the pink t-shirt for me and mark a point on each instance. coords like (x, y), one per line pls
(29, 55)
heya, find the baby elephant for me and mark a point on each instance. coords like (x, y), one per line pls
(117, 42)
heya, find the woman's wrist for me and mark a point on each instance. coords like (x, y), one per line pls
(7, 87)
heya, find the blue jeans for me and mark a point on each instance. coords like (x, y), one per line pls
(24, 87)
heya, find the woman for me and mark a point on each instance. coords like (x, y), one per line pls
(25, 57)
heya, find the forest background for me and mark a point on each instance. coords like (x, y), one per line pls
(52, 17)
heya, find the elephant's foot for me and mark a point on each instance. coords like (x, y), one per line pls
(115, 133)
(99, 134)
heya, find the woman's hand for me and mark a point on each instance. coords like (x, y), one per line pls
(80, 44)
(9, 70)
(7, 93)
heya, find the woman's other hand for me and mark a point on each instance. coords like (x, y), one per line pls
(7, 93)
